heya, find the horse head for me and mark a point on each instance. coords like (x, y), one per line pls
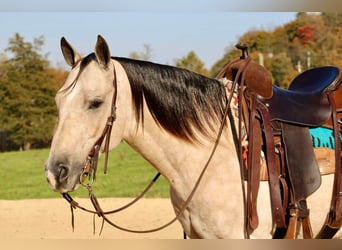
(84, 102)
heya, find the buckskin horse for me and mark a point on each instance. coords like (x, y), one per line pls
(177, 120)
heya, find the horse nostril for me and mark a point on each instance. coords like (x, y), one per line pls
(63, 173)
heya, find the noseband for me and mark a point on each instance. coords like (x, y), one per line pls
(89, 170)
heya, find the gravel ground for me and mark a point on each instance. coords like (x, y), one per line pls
(51, 219)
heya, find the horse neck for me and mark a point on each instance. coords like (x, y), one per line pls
(146, 137)
(155, 145)
(173, 157)
(176, 158)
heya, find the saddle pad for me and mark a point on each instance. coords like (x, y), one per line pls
(323, 137)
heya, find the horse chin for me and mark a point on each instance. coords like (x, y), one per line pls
(66, 188)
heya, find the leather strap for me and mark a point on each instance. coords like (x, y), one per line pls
(254, 153)
(240, 75)
(304, 215)
(282, 176)
(292, 227)
(299, 213)
(89, 170)
(276, 203)
(333, 220)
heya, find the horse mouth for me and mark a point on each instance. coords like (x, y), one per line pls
(61, 183)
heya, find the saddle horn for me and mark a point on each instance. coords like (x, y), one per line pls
(244, 49)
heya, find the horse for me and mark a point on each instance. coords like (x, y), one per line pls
(172, 118)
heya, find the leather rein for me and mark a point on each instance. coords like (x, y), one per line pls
(89, 170)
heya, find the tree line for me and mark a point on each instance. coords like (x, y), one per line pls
(28, 82)
(311, 40)
(28, 85)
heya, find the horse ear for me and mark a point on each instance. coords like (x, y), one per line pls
(102, 51)
(71, 55)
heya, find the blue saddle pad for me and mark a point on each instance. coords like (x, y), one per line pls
(322, 137)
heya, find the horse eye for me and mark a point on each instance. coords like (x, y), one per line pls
(95, 104)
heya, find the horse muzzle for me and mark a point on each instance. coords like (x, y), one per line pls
(60, 178)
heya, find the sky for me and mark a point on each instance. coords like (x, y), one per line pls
(171, 29)
(171, 35)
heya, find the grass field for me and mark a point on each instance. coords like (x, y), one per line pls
(22, 176)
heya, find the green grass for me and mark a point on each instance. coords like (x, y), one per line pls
(22, 176)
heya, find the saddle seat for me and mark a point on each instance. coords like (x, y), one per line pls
(305, 102)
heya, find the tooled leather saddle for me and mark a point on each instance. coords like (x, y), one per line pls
(277, 123)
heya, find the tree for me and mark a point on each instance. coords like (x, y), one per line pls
(260, 41)
(146, 55)
(281, 67)
(193, 63)
(27, 90)
(306, 34)
(311, 40)
(328, 48)
(230, 54)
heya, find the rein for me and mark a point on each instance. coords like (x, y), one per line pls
(89, 171)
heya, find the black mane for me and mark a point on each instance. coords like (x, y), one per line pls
(179, 100)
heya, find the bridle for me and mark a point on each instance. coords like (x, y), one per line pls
(89, 170)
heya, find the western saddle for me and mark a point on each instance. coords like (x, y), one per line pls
(277, 123)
